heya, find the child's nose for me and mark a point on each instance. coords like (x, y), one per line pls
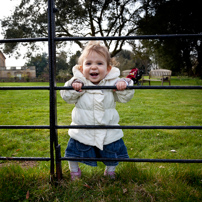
(94, 66)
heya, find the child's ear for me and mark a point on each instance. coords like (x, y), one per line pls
(81, 68)
(109, 68)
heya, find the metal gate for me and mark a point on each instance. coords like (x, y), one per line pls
(55, 153)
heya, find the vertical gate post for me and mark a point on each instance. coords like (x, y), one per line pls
(52, 84)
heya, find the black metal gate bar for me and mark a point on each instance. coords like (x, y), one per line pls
(165, 36)
(135, 160)
(25, 158)
(25, 88)
(131, 87)
(15, 40)
(97, 87)
(24, 127)
(137, 37)
(103, 159)
(99, 127)
(52, 84)
(127, 127)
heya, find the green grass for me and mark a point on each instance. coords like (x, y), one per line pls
(134, 181)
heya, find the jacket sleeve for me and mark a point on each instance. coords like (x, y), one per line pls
(70, 96)
(125, 95)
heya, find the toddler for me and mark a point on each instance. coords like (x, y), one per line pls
(96, 107)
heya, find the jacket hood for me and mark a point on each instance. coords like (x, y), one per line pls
(114, 73)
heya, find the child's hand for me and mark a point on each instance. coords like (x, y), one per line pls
(77, 86)
(121, 85)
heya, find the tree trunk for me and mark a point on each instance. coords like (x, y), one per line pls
(186, 56)
(199, 65)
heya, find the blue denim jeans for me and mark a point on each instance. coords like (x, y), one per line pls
(115, 149)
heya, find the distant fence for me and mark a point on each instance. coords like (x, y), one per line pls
(55, 153)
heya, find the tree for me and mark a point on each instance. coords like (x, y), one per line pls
(64, 68)
(173, 17)
(74, 18)
(73, 61)
(137, 58)
(142, 57)
(124, 60)
(61, 62)
(40, 62)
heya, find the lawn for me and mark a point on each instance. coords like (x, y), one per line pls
(29, 181)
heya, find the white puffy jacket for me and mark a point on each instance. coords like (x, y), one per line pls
(96, 107)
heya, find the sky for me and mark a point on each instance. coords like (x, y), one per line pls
(6, 9)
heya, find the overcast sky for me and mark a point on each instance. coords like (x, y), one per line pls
(6, 9)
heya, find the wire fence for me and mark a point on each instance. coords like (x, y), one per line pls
(55, 153)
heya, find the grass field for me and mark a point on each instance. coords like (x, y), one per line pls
(29, 181)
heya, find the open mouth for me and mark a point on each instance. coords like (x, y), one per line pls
(94, 74)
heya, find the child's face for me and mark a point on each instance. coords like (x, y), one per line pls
(94, 67)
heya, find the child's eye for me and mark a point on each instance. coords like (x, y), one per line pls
(99, 63)
(88, 63)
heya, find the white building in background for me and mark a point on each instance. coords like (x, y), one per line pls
(15, 72)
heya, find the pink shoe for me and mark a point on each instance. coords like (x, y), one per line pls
(75, 175)
(110, 174)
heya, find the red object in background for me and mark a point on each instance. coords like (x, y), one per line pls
(133, 73)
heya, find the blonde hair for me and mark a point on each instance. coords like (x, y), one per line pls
(99, 49)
